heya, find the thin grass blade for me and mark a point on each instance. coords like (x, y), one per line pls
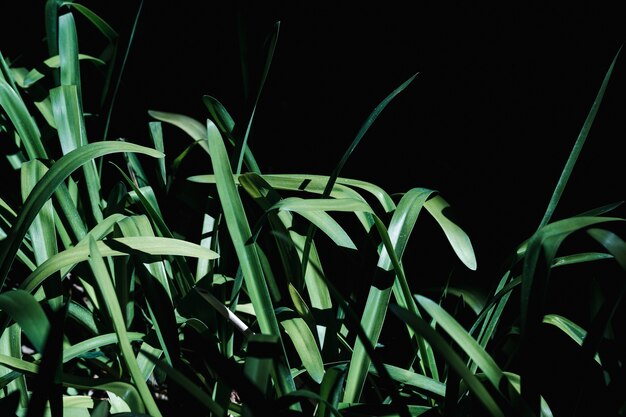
(578, 145)
(571, 329)
(305, 344)
(47, 185)
(105, 285)
(451, 357)
(240, 232)
(28, 314)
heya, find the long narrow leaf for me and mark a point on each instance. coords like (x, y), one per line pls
(28, 314)
(451, 357)
(306, 346)
(240, 233)
(580, 141)
(24, 123)
(375, 310)
(44, 189)
(158, 246)
(107, 290)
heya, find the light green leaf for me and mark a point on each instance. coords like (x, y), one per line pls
(459, 240)
(306, 346)
(464, 340)
(574, 331)
(452, 358)
(414, 379)
(23, 122)
(158, 246)
(46, 187)
(105, 285)
(240, 233)
(80, 348)
(580, 141)
(28, 314)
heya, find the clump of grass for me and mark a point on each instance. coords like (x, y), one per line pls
(109, 310)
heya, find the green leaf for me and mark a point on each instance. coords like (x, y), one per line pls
(42, 231)
(191, 126)
(156, 134)
(28, 314)
(11, 345)
(375, 310)
(53, 62)
(219, 114)
(314, 210)
(80, 348)
(330, 389)
(547, 240)
(364, 128)
(47, 186)
(459, 240)
(185, 279)
(243, 145)
(414, 379)
(580, 141)
(306, 346)
(157, 246)
(96, 20)
(451, 357)
(68, 52)
(463, 339)
(574, 331)
(240, 232)
(23, 122)
(314, 184)
(105, 285)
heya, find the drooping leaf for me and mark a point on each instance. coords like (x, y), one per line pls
(47, 186)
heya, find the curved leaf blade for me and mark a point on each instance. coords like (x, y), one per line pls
(47, 186)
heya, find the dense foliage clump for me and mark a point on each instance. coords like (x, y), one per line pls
(284, 294)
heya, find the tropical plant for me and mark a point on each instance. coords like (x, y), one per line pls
(273, 299)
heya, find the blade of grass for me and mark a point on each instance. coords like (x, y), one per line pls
(226, 124)
(464, 340)
(337, 170)
(68, 117)
(23, 122)
(451, 357)
(87, 345)
(580, 141)
(314, 184)
(121, 73)
(330, 389)
(437, 206)
(114, 310)
(47, 390)
(156, 134)
(414, 379)
(243, 144)
(535, 274)
(373, 317)
(47, 185)
(28, 314)
(240, 233)
(571, 329)
(185, 279)
(42, 231)
(11, 345)
(157, 246)
(304, 343)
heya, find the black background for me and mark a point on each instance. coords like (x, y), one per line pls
(502, 92)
